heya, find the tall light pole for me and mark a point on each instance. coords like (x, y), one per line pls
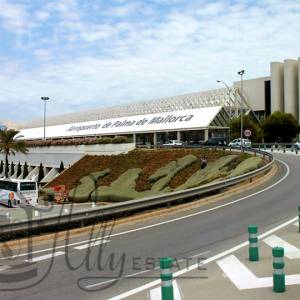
(228, 91)
(45, 99)
(241, 73)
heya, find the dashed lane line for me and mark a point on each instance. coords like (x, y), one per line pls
(45, 257)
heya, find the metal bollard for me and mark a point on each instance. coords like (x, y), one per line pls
(283, 149)
(253, 243)
(278, 272)
(166, 276)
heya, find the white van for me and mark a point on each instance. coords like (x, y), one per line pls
(16, 193)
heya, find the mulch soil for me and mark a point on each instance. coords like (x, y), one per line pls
(148, 160)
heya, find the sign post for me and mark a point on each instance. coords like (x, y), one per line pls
(247, 133)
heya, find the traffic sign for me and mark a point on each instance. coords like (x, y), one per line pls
(247, 133)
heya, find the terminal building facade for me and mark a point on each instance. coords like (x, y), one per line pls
(191, 118)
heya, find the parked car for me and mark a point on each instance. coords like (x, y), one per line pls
(215, 141)
(237, 143)
(297, 145)
(173, 143)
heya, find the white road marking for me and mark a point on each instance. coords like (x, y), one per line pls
(3, 268)
(111, 280)
(168, 221)
(244, 279)
(290, 251)
(44, 257)
(240, 275)
(204, 262)
(92, 244)
(155, 294)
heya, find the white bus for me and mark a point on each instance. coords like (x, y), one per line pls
(16, 193)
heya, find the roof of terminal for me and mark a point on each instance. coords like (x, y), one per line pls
(218, 97)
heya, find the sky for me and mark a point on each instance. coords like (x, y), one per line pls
(96, 53)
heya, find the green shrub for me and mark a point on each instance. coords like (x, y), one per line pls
(120, 140)
(82, 192)
(121, 189)
(247, 166)
(169, 171)
(212, 171)
(163, 171)
(47, 194)
(104, 140)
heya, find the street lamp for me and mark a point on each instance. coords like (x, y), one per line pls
(241, 73)
(45, 99)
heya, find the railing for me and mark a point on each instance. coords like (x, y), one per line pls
(68, 216)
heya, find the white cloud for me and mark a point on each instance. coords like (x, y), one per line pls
(99, 61)
(13, 16)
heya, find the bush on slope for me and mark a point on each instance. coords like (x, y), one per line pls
(246, 166)
(82, 192)
(212, 171)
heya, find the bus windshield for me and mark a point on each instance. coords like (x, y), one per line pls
(27, 186)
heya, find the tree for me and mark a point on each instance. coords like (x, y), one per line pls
(12, 168)
(61, 167)
(280, 127)
(1, 166)
(248, 123)
(19, 170)
(25, 171)
(9, 145)
(41, 173)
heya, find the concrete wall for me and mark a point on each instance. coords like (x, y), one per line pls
(53, 155)
(277, 86)
(254, 92)
(291, 99)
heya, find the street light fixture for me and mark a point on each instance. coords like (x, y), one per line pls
(228, 91)
(45, 99)
(241, 73)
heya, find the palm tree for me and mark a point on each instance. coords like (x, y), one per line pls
(9, 145)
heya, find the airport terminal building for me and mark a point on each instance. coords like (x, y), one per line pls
(192, 117)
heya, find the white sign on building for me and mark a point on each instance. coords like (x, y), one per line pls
(177, 120)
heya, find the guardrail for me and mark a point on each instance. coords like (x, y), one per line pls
(68, 217)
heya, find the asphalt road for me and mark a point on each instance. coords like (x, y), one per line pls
(101, 271)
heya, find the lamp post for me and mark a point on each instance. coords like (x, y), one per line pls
(228, 91)
(241, 73)
(45, 99)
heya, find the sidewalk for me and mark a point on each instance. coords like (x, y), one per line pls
(282, 151)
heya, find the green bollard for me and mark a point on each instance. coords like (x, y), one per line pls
(253, 243)
(166, 276)
(283, 149)
(278, 272)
